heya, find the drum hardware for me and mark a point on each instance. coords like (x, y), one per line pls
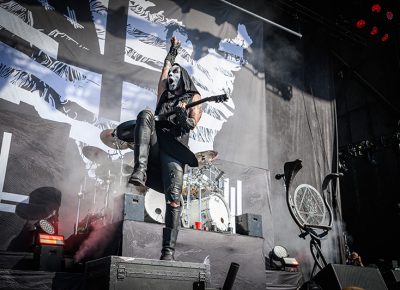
(201, 184)
(109, 138)
(96, 155)
(128, 158)
(214, 213)
(106, 212)
(154, 204)
(200, 219)
(207, 176)
(206, 157)
(80, 196)
(188, 198)
(105, 172)
(126, 170)
(89, 220)
(108, 189)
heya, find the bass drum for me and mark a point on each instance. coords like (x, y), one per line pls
(214, 212)
(154, 204)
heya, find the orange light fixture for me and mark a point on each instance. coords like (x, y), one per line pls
(54, 240)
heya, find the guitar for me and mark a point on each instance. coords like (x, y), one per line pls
(216, 99)
(125, 130)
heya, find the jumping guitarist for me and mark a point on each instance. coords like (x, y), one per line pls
(161, 147)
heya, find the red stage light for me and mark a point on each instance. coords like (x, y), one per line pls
(389, 15)
(374, 30)
(385, 37)
(360, 23)
(51, 240)
(376, 8)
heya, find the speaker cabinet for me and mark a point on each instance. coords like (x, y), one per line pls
(129, 206)
(249, 224)
(392, 278)
(337, 277)
(49, 258)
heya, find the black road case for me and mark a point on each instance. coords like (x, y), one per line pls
(120, 273)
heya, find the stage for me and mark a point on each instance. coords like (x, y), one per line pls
(133, 240)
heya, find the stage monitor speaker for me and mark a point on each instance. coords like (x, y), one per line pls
(394, 276)
(129, 206)
(392, 279)
(249, 224)
(49, 258)
(337, 277)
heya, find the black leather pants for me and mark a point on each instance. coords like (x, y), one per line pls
(171, 169)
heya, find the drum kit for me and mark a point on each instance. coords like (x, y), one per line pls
(202, 194)
(110, 176)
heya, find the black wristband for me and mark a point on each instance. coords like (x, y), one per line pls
(173, 52)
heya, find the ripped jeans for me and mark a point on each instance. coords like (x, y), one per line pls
(172, 177)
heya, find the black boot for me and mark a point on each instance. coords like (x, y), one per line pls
(138, 177)
(143, 131)
(170, 232)
(169, 241)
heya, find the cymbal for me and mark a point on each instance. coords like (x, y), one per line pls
(128, 158)
(95, 154)
(126, 170)
(206, 156)
(108, 137)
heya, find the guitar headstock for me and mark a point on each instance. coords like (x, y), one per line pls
(219, 98)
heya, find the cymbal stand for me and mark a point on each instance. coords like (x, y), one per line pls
(108, 187)
(200, 187)
(94, 197)
(121, 170)
(80, 196)
(106, 210)
(189, 188)
(118, 149)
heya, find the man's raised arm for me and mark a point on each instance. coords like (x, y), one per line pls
(168, 62)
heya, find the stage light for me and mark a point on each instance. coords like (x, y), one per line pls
(385, 37)
(376, 8)
(48, 254)
(360, 23)
(53, 240)
(47, 227)
(279, 260)
(280, 252)
(389, 15)
(374, 30)
(291, 264)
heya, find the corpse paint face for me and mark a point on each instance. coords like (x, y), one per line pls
(174, 77)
